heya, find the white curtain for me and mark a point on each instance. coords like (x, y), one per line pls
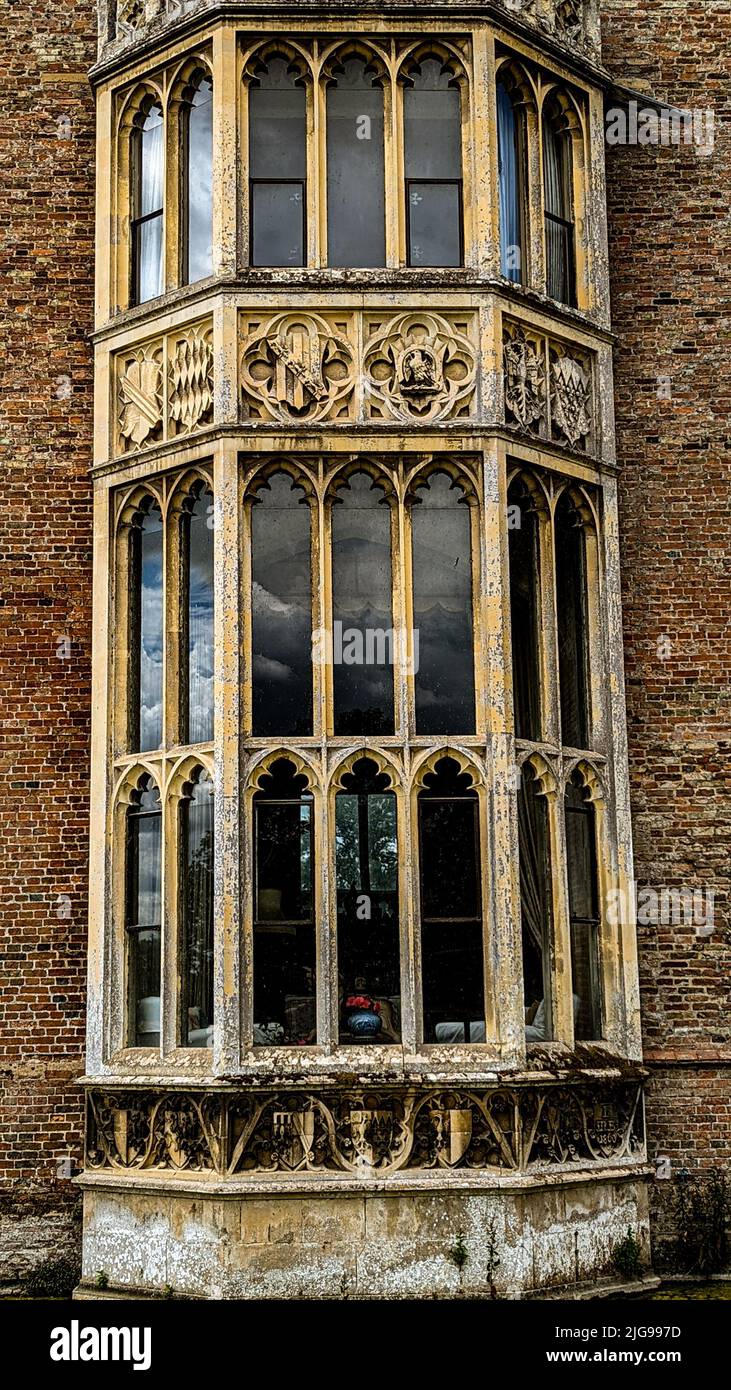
(510, 220)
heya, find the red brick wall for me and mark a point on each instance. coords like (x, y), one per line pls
(670, 245)
(46, 293)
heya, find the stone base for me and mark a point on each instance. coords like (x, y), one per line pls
(393, 1239)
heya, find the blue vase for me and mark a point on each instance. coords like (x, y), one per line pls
(364, 1023)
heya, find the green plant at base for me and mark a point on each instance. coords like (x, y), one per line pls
(459, 1253)
(54, 1279)
(627, 1256)
(102, 1280)
(702, 1215)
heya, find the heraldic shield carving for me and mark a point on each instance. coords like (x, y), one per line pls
(420, 367)
(525, 379)
(297, 368)
(140, 397)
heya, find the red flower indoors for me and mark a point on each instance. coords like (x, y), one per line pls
(362, 1001)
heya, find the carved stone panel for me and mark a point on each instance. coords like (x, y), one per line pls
(140, 396)
(419, 367)
(190, 403)
(297, 367)
(390, 1128)
(524, 374)
(571, 397)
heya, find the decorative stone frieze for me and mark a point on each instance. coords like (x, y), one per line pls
(419, 367)
(384, 1129)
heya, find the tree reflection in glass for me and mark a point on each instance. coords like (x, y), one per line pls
(196, 912)
(366, 859)
(284, 930)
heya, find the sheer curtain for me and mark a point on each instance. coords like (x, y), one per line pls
(511, 250)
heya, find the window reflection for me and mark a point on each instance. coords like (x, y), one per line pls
(583, 908)
(433, 165)
(356, 215)
(535, 905)
(451, 913)
(277, 165)
(197, 644)
(281, 609)
(199, 183)
(196, 912)
(146, 629)
(284, 924)
(363, 640)
(143, 915)
(573, 654)
(366, 857)
(442, 590)
(524, 613)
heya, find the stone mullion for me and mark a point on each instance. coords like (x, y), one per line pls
(228, 982)
(100, 887)
(501, 911)
(485, 248)
(226, 154)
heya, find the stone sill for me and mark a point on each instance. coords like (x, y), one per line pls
(328, 1184)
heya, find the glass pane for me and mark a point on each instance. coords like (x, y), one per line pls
(451, 923)
(277, 125)
(146, 632)
(366, 852)
(198, 650)
(524, 622)
(356, 217)
(196, 915)
(572, 628)
(281, 610)
(509, 156)
(432, 125)
(143, 916)
(362, 615)
(278, 228)
(200, 183)
(535, 906)
(583, 912)
(284, 931)
(149, 259)
(442, 584)
(434, 224)
(557, 177)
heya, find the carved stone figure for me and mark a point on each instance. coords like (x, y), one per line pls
(140, 396)
(420, 367)
(297, 368)
(524, 377)
(191, 381)
(570, 399)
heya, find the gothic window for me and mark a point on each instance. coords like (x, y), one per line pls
(573, 636)
(558, 204)
(147, 170)
(146, 628)
(433, 166)
(452, 953)
(442, 600)
(512, 183)
(143, 914)
(581, 859)
(523, 546)
(277, 166)
(356, 217)
(196, 683)
(281, 609)
(362, 608)
(535, 904)
(366, 866)
(198, 183)
(195, 911)
(285, 958)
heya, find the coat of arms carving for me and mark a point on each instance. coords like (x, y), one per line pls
(524, 377)
(191, 381)
(570, 399)
(420, 367)
(140, 397)
(297, 368)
